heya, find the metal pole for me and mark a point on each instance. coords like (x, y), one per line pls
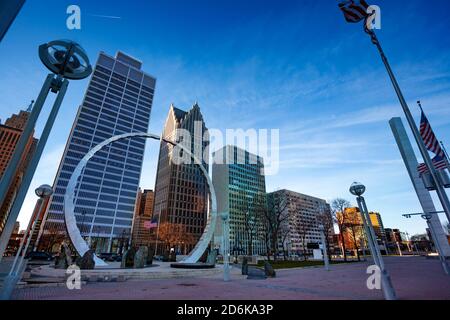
(15, 274)
(363, 248)
(368, 235)
(399, 249)
(30, 225)
(438, 246)
(23, 189)
(388, 289)
(417, 250)
(225, 246)
(8, 175)
(444, 149)
(370, 230)
(325, 250)
(423, 150)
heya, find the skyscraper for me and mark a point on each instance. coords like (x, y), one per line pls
(10, 134)
(240, 184)
(378, 226)
(181, 191)
(118, 100)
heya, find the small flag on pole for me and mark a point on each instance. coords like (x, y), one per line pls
(354, 10)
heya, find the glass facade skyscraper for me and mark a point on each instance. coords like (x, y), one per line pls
(118, 100)
(240, 184)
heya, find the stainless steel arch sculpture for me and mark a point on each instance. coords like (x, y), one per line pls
(69, 208)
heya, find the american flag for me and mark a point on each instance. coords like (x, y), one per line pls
(151, 224)
(354, 10)
(429, 138)
(439, 162)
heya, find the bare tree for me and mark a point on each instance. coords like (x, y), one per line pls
(251, 221)
(325, 219)
(338, 210)
(275, 221)
(174, 235)
(354, 227)
(303, 226)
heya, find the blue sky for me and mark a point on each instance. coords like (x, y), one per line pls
(296, 66)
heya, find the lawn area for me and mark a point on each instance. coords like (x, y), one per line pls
(299, 264)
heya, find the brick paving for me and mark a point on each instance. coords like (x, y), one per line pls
(413, 278)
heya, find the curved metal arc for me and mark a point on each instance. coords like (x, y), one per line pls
(69, 208)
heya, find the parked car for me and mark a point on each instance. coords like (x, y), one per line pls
(39, 256)
(115, 257)
(105, 256)
(112, 257)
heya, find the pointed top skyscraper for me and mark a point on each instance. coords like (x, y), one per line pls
(181, 191)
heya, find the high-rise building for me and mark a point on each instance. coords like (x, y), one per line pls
(10, 133)
(141, 234)
(353, 229)
(240, 185)
(354, 232)
(118, 100)
(378, 226)
(181, 190)
(301, 220)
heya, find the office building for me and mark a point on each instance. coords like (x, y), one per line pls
(181, 190)
(378, 226)
(118, 100)
(141, 234)
(303, 216)
(239, 181)
(10, 133)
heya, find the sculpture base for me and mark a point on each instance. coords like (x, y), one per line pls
(181, 265)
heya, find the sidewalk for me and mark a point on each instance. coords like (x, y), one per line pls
(413, 278)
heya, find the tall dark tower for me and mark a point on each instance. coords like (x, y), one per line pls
(181, 191)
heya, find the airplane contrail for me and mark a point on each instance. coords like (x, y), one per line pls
(104, 16)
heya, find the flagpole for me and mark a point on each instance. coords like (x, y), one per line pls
(445, 150)
(423, 150)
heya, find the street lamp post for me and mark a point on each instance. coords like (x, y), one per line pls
(66, 60)
(427, 217)
(358, 190)
(16, 271)
(363, 248)
(324, 247)
(408, 242)
(226, 245)
(443, 260)
(399, 248)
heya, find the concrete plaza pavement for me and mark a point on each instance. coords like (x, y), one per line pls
(413, 278)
